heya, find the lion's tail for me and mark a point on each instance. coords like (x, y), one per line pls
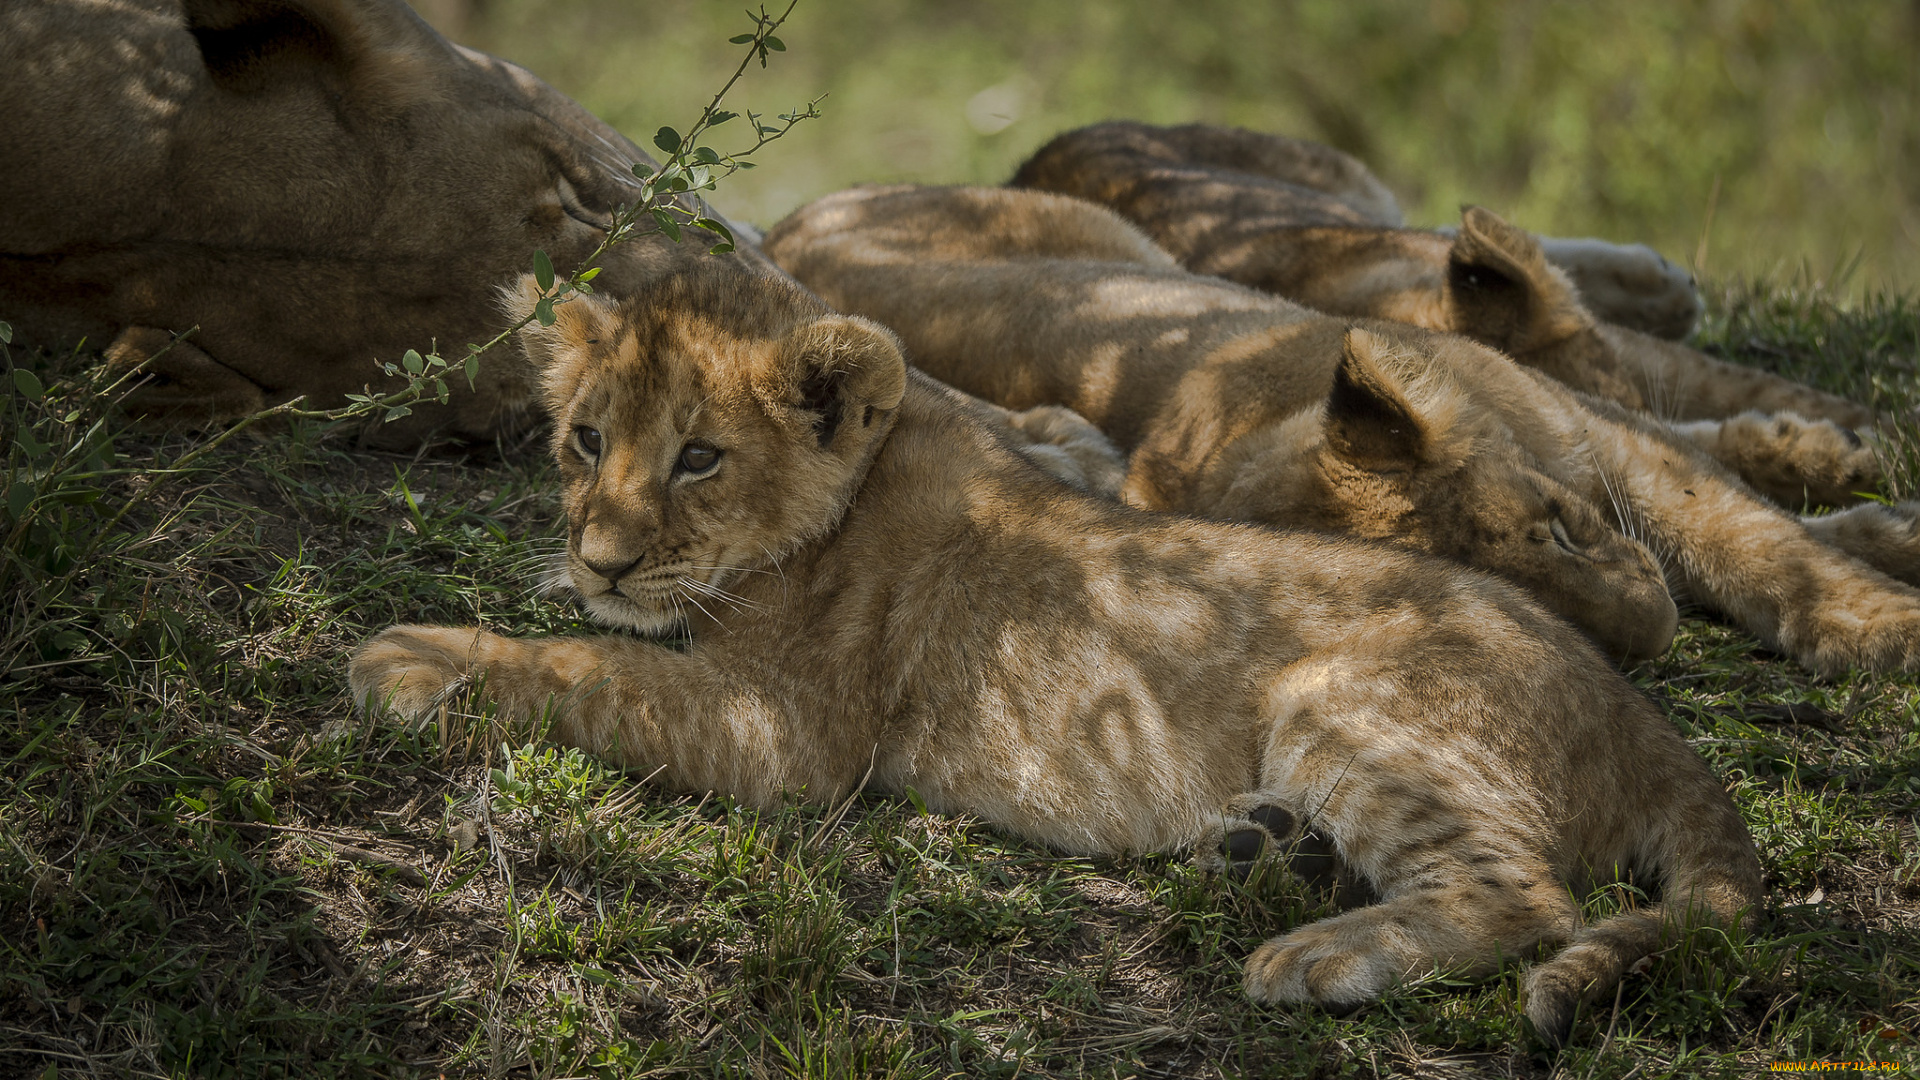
(1710, 873)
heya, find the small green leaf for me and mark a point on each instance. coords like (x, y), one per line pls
(717, 227)
(720, 249)
(667, 224)
(412, 362)
(396, 413)
(740, 39)
(720, 116)
(543, 311)
(542, 270)
(6, 330)
(642, 170)
(28, 384)
(587, 275)
(776, 44)
(19, 498)
(668, 140)
(473, 368)
(706, 155)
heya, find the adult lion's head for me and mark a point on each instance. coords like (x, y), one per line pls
(314, 184)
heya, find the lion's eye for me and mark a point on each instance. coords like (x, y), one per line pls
(697, 459)
(1558, 530)
(589, 440)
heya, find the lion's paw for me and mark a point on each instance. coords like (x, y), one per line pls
(1066, 445)
(1334, 963)
(1874, 628)
(1631, 285)
(411, 670)
(1886, 538)
(1793, 460)
(1253, 828)
(1249, 830)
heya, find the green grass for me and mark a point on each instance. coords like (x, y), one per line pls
(210, 867)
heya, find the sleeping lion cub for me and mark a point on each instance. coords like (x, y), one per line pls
(1309, 223)
(871, 579)
(1242, 406)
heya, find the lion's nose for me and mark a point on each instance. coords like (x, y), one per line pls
(612, 570)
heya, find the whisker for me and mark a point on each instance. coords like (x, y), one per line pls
(772, 561)
(734, 569)
(717, 593)
(615, 168)
(698, 604)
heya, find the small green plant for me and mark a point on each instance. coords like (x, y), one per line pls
(669, 205)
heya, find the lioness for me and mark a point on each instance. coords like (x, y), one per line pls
(314, 184)
(1311, 224)
(872, 584)
(1239, 405)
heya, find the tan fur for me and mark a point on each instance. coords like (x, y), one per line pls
(1259, 209)
(1239, 405)
(316, 185)
(871, 583)
(1062, 442)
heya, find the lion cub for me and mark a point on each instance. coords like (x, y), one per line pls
(1311, 224)
(1243, 406)
(866, 574)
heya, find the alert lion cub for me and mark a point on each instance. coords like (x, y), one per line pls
(1311, 224)
(870, 580)
(1239, 405)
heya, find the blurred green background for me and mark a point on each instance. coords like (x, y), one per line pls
(1742, 138)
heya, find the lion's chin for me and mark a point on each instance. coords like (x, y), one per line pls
(613, 609)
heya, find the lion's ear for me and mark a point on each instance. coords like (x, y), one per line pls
(1500, 288)
(1370, 419)
(848, 372)
(251, 45)
(580, 322)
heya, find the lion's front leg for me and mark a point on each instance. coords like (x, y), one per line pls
(639, 704)
(412, 670)
(1791, 460)
(1754, 563)
(1886, 538)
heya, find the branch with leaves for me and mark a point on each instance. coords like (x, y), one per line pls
(669, 205)
(51, 462)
